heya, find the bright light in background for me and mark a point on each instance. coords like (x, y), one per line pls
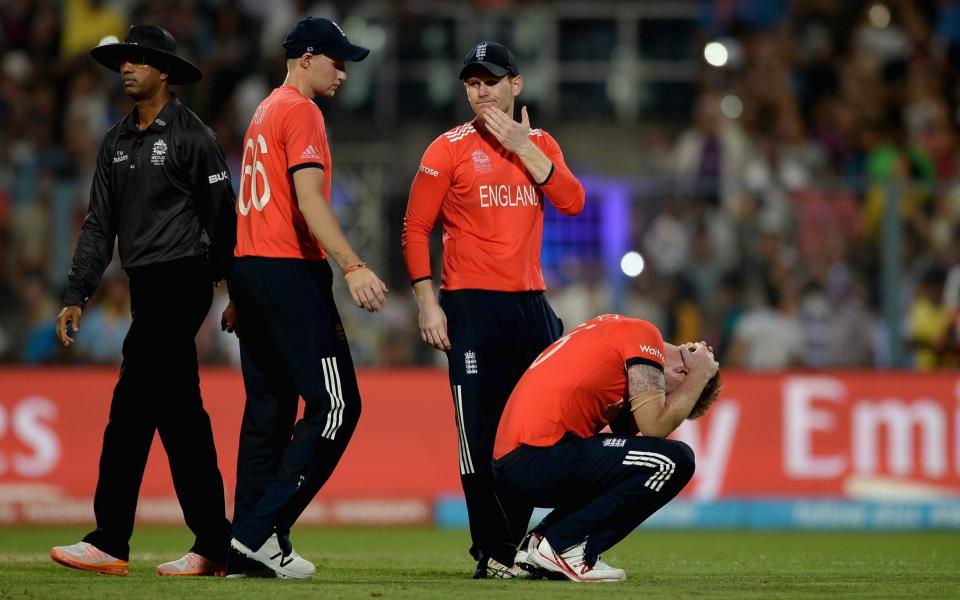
(716, 54)
(631, 264)
(366, 33)
(731, 106)
(879, 15)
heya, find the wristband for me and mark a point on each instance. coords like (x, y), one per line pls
(353, 268)
(549, 175)
(638, 400)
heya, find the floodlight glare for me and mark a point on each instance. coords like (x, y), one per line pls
(716, 54)
(731, 106)
(631, 264)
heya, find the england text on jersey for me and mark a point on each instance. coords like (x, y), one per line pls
(490, 208)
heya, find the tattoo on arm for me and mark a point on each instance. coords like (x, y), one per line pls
(644, 378)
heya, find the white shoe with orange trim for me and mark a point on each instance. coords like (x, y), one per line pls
(87, 557)
(193, 564)
(572, 565)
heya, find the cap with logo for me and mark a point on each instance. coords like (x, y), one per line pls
(317, 35)
(154, 45)
(492, 56)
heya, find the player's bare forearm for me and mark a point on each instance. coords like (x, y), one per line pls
(424, 292)
(323, 226)
(431, 318)
(648, 406)
(536, 162)
(678, 405)
(655, 413)
(320, 218)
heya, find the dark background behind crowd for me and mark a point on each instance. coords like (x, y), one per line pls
(786, 172)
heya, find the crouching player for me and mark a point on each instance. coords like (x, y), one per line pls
(616, 371)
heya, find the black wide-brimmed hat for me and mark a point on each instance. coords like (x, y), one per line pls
(153, 45)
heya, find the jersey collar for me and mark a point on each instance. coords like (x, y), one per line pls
(160, 123)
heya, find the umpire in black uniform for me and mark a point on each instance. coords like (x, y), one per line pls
(162, 190)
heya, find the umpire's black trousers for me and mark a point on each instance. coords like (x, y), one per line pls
(601, 488)
(494, 336)
(292, 345)
(159, 391)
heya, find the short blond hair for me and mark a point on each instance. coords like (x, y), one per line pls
(708, 396)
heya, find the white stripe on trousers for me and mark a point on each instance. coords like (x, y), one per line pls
(665, 465)
(466, 463)
(331, 380)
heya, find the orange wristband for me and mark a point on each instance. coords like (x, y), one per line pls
(353, 268)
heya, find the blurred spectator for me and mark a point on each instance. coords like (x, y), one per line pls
(709, 158)
(768, 336)
(850, 327)
(33, 319)
(105, 322)
(86, 22)
(928, 323)
(646, 299)
(667, 241)
(781, 173)
(581, 295)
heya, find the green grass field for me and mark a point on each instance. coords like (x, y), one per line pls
(424, 563)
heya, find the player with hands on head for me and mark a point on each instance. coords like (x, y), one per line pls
(486, 182)
(611, 370)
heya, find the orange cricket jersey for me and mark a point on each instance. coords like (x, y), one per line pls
(579, 383)
(286, 133)
(490, 207)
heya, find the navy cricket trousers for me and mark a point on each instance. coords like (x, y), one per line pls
(159, 391)
(601, 488)
(494, 336)
(292, 345)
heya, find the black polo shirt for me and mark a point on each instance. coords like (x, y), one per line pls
(163, 193)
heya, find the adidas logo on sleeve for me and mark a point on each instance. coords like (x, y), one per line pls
(311, 153)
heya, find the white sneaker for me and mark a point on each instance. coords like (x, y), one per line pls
(291, 566)
(572, 565)
(87, 557)
(523, 559)
(299, 563)
(498, 570)
(192, 564)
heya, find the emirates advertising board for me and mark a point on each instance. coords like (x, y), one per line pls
(853, 450)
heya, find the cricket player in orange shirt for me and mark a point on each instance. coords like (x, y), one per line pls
(292, 342)
(611, 370)
(486, 181)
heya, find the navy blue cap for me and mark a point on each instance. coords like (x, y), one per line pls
(492, 56)
(317, 35)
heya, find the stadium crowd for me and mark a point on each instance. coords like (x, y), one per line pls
(767, 240)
